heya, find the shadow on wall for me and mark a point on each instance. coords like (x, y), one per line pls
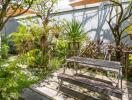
(96, 23)
(127, 39)
(102, 30)
(102, 17)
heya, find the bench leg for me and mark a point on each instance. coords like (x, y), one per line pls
(120, 78)
(60, 83)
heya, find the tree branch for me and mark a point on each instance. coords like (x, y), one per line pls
(7, 5)
(24, 11)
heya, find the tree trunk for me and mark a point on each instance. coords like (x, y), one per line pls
(1, 27)
(118, 55)
(118, 50)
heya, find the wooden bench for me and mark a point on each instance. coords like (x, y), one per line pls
(94, 84)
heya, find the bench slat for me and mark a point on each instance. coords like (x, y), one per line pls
(93, 85)
(93, 78)
(101, 68)
(75, 94)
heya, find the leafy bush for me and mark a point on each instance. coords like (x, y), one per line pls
(92, 49)
(55, 63)
(26, 39)
(4, 51)
(12, 80)
(36, 33)
(32, 58)
(22, 39)
(61, 48)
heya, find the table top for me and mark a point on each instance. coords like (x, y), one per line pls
(95, 62)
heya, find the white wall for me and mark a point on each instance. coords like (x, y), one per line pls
(94, 17)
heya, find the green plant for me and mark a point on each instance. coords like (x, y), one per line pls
(32, 58)
(74, 31)
(36, 31)
(92, 49)
(4, 51)
(13, 79)
(22, 39)
(74, 34)
(129, 30)
(61, 48)
(130, 59)
(55, 63)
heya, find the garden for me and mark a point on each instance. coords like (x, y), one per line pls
(34, 52)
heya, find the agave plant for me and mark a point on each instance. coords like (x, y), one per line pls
(74, 31)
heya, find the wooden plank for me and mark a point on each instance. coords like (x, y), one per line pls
(93, 78)
(47, 92)
(92, 85)
(75, 94)
(98, 67)
(96, 62)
